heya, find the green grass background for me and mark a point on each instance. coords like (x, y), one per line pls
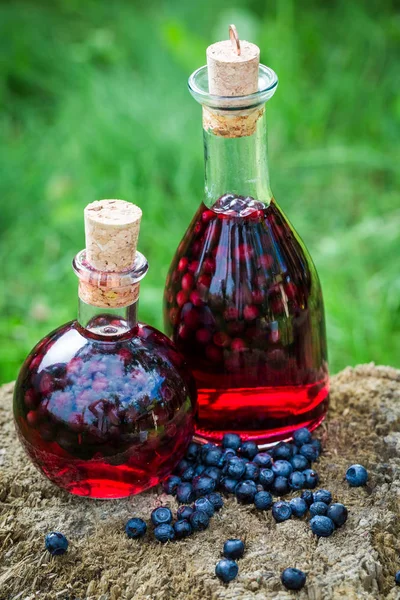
(94, 105)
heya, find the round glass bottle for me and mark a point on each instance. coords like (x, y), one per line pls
(104, 405)
(243, 301)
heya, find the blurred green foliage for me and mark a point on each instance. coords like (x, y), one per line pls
(94, 105)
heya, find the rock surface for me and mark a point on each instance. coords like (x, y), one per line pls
(358, 562)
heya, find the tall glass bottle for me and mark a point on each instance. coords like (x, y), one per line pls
(243, 300)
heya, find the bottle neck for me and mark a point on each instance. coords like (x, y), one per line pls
(237, 165)
(107, 322)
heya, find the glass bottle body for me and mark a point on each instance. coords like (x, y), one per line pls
(243, 301)
(104, 407)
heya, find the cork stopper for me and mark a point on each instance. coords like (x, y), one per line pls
(112, 232)
(233, 67)
(110, 268)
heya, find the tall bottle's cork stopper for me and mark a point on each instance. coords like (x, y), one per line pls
(110, 268)
(112, 232)
(233, 66)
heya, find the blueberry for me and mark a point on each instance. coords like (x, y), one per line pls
(164, 533)
(322, 496)
(229, 453)
(235, 468)
(182, 466)
(170, 484)
(199, 469)
(266, 478)
(182, 529)
(214, 457)
(193, 451)
(283, 451)
(245, 491)
(135, 528)
(308, 497)
(252, 471)
(184, 512)
(309, 452)
(299, 507)
(231, 440)
(205, 449)
(281, 511)
(318, 508)
(297, 480)
(206, 505)
(188, 474)
(184, 493)
(161, 516)
(322, 526)
(263, 459)
(233, 549)
(397, 578)
(216, 500)
(199, 520)
(302, 436)
(338, 513)
(228, 485)
(280, 486)
(56, 543)
(312, 479)
(299, 463)
(357, 475)
(248, 450)
(263, 500)
(203, 485)
(282, 468)
(293, 579)
(226, 570)
(317, 445)
(214, 473)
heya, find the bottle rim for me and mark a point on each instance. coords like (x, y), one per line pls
(84, 270)
(267, 84)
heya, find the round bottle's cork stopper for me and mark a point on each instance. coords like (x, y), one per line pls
(111, 231)
(233, 67)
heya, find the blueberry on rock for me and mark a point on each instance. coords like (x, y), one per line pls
(248, 450)
(233, 549)
(193, 451)
(302, 436)
(309, 452)
(252, 471)
(282, 468)
(263, 459)
(228, 485)
(312, 479)
(263, 500)
(161, 515)
(397, 578)
(170, 484)
(293, 579)
(299, 507)
(338, 513)
(280, 486)
(188, 473)
(322, 496)
(317, 445)
(297, 480)
(214, 457)
(214, 473)
(203, 485)
(266, 478)
(135, 528)
(235, 468)
(164, 533)
(184, 493)
(245, 491)
(318, 508)
(357, 475)
(231, 440)
(281, 511)
(226, 570)
(308, 497)
(216, 500)
(184, 512)
(56, 543)
(182, 529)
(204, 504)
(322, 526)
(283, 451)
(299, 463)
(199, 520)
